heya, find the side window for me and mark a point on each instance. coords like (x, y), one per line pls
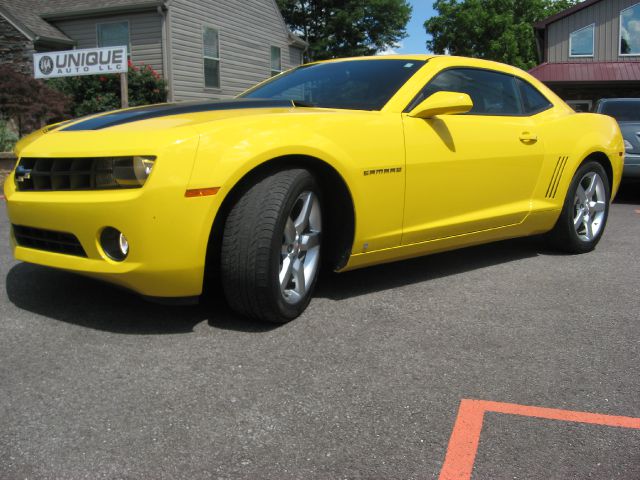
(114, 34)
(630, 30)
(581, 42)
(276, 61)
(211, 57)
(492, 93)
(532, 100)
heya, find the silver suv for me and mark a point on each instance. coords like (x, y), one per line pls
(627, 112)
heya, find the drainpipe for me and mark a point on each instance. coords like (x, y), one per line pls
(167, 70)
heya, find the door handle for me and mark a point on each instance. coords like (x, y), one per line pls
(528, 137)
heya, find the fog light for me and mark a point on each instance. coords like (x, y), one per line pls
(114, 244)
(124, 244)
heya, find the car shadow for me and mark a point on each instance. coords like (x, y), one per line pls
(92, 304)
(398, 274)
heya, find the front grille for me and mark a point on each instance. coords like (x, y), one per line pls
(56, 174)
(87, 173)
(49, 240)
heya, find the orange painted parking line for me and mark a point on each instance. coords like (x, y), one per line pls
(463, 444)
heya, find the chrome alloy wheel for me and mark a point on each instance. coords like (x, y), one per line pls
(300, 253)
(589, 206)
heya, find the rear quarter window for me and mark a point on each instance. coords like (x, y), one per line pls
(532, 100)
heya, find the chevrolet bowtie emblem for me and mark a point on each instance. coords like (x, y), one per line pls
(22, 174)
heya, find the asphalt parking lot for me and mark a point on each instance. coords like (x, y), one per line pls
(96, 383)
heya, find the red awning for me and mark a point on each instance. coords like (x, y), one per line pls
(587, 72)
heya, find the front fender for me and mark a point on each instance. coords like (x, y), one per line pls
(352, 143)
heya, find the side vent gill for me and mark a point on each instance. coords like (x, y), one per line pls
(555, 178)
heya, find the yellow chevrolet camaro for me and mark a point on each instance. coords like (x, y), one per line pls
(348, 163)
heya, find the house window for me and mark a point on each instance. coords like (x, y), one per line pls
(114, 34)
(211, 55)
(581, 42)
(630, 30)
(276, 61)
(580, 105)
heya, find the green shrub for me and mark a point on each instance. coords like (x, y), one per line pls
(8, 138)
(100, 93)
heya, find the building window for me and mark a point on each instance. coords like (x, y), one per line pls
(276, 61)
(211, 55)
(630, 30)
(581, 42)
(580, 105)
(114, 34)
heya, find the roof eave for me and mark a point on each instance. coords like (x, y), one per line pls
(53, 40)
(296, 41)
(18, 25)
(89, 12)
(542, 24)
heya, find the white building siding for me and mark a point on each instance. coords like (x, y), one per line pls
(246, 30)
(145, 35)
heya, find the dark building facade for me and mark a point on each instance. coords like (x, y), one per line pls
(591, 51)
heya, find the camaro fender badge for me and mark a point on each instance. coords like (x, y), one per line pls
(379, 171)
(22, 174)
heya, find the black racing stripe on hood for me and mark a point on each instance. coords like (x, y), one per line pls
(164, 110)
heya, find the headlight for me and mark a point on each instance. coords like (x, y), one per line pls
(124, 172)
(627, 145)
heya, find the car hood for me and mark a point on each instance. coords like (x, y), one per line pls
(631, 133)
(154, 126)
(173, 114)
(160, 124)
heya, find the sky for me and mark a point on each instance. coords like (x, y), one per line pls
(417, 37)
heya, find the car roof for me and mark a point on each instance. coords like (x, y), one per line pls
(602, 100)
(408, 56)
(451, 60)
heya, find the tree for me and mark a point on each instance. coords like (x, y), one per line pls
(344, 28)
(27, 102)
(500, 30)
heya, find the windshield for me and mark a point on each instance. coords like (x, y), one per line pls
(622, 110)
(352, 84)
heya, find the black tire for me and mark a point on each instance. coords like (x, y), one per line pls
(571, 239)
(253, 243)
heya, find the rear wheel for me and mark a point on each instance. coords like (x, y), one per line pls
(271, 247)
(585, 211)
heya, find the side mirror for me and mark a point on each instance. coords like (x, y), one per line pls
(442, 103)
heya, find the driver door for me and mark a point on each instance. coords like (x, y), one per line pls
(471, 172)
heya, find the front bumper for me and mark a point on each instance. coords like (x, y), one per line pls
(631, 166)
(167, 234)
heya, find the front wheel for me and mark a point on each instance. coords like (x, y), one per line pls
(271, 247)
(585, 211)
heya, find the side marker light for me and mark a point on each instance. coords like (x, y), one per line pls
(201, 192)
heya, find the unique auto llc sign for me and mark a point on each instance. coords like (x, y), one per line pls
(88, 61)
